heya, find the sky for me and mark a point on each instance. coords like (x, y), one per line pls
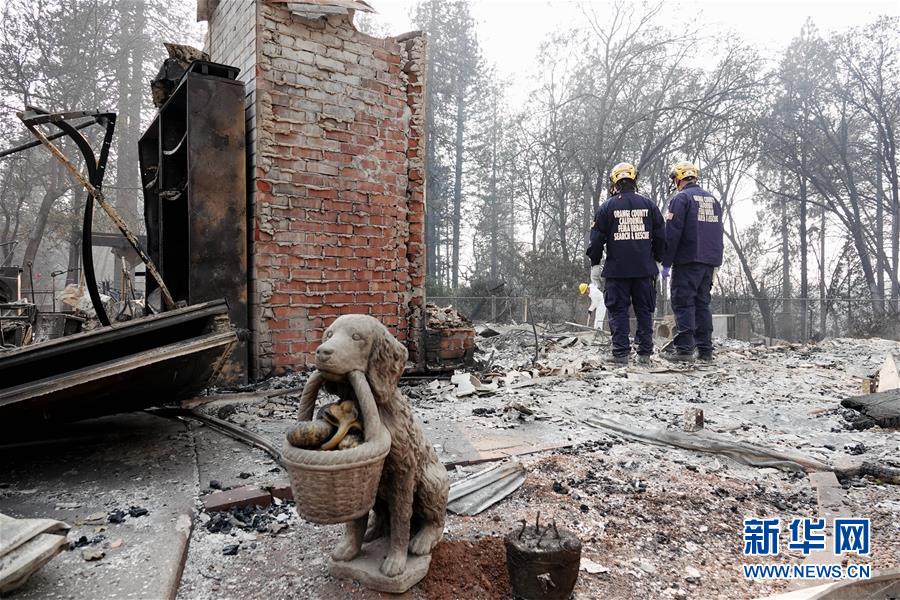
(511, 31)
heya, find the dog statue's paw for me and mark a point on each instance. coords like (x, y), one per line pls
(423, 542)
(395, 563)
(345, 550)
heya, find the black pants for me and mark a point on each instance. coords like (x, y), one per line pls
(620, 294)
(691, 295)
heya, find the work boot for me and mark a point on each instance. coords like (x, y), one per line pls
(618, 360)
(643, 359)
(706, 357)
(678, 356)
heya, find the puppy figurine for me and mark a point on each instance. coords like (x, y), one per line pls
(360, 360)
(332, 428)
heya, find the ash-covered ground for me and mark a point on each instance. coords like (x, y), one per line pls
(656, 522)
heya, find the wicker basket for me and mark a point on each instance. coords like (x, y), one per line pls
(336, 486)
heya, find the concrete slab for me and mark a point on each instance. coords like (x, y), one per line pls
(130, 460)
(829, 493)
(449, 441)
(235, 464)
(503, 444)
(476, 444)
(291, 564)
(830, 498)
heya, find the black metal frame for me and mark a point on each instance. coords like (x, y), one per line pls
(198, 240)
(96, 168)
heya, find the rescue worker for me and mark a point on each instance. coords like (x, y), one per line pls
(597, 309)
(631, 229)
(693, 251)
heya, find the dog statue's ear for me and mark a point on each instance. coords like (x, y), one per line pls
(386, 363)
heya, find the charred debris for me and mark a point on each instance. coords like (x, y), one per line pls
(100, 355)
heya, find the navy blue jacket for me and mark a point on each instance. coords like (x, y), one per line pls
(631, 229)
(693, 228)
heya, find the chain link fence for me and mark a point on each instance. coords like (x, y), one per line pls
(793, 319)
(801, 319)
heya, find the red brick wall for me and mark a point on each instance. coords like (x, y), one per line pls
(339, 191)
(448, 349)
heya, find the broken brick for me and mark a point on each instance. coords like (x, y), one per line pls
(282, 490)
(242, 496)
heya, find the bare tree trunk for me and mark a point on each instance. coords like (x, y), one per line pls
(432, 222)
(457, 185)
(495, 243)
(448, 251)
(895, 251)
(494, 211)
(7, 248)
(887, 146)
(51, 195)
(823, 310)
(765, 307)
(75, 235)
(128, 155)
(889, 150)
(587, 214)
(865, 261)
(804, 284)
(123, 73)
(40, 222)
(14, 192)
(895, 234)
(495, 262)
(859, 243)
(879, 226)
(786, 291)
(130, 81)
(22, 192)
(511, 219)
(562, 213)
(431, 242)
(562, 207)
(888, 157)
(494, 232)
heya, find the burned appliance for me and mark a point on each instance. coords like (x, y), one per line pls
(193, 171)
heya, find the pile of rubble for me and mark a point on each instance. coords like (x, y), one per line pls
(449, 339)
(542, 423)
(445, 318)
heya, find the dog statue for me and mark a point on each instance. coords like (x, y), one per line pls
(360, 360)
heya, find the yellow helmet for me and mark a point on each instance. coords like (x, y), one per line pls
(623, 170)
(683, 169)
(583, 288)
